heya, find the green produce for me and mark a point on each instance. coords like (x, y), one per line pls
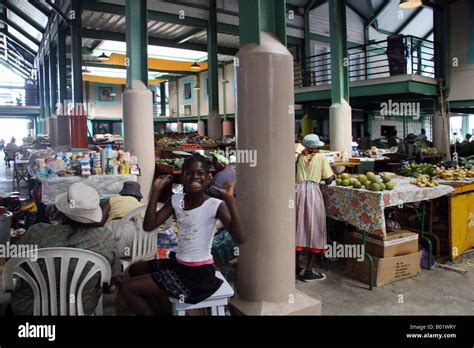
(375, 187)
(338, 182)
(382, 186)
(371, 176)
(386, 179)
(356, 184)
(414, 170)
(362, 179)
(345, 176)
(389, 186)
(367, 185)
(346, 182)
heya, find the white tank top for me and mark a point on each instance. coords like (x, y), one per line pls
(196, 230)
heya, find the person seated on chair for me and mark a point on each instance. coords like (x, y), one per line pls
(410, 149)
(79, 228)
(189, 274)
(10, 151)
(116, 208)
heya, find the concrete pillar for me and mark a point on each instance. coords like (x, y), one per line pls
(180, 126)
(306, 125)
(340, 127)
(138, 128)
(441, 139)
(267, 260)
(228, 128)
(201, 128)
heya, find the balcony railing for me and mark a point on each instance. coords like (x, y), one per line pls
(401, 55)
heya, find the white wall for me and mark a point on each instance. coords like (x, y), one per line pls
(103, 110)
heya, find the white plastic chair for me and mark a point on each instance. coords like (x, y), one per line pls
(217, 301)
(45, 290)
(144, 243)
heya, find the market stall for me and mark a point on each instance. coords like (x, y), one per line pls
(349, 201)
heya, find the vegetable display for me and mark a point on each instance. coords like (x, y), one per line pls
(414, 170)
(369, 181)
(424, 181)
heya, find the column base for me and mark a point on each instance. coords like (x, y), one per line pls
(302, 305)
(201, 128)
(180, 127)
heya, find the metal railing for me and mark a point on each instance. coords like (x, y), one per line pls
(401, 55)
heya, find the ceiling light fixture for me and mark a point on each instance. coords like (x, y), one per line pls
(196, 88)
(103, 57)
(195, 66)
(407, 4)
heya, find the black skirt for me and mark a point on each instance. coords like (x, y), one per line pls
(190, 284)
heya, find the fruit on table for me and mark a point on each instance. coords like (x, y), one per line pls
(386, 179)
(389, 185)
(338, 182)
(382, 186)
(356, 184)
(414, 170)
(346, 182)
(345, 176)
(362, 179)
(424, 181)
(371, 176)
(367, 185)
(458, 173)
(375, 186)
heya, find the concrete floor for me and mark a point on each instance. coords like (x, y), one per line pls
(432, 292)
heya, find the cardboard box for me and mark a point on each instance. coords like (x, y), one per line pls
(394, 244)
(386, 270)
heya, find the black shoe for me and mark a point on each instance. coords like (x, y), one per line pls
(311, 276)
(299, 271)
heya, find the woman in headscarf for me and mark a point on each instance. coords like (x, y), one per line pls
(312, 167)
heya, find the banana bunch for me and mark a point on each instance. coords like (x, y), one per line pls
(470, 173)
(458, 173)
(424, 181)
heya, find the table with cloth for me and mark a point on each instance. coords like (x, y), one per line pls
(364, 209)
(106, 185)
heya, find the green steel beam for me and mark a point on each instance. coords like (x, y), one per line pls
(189, 118)
(262, 15)
(377, 13)
(22, 31)
(27, 19)
(154, 41)
(85, 50)
(462, 104)
(62, 73)
(428, 34)
(357, 12)
(53, 78)
(26, 111)
(76, 53)
(212, 61)
(114, 66)
(409, 20)
(327, 39)
(137, 41)
(47, 104)
(441, 34)
(312, 5)
(339, 57)
(40, 7)
(40, 123)
(163, 99)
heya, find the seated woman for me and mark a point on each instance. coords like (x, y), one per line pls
(80, 229)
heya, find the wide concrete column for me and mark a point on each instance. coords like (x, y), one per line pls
(265, 127)
(340, 112)
(201, 128)
(180, 127)
(137, 98)
(441, 139)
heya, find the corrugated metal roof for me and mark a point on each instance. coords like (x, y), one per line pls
(24, 25)
(22, 39)
(30, 11)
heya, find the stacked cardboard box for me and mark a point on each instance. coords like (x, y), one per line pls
(396, 257)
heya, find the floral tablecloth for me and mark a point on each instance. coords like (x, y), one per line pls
(365, 209)
(106, 185)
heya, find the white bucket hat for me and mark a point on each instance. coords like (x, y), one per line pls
(80, 203)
